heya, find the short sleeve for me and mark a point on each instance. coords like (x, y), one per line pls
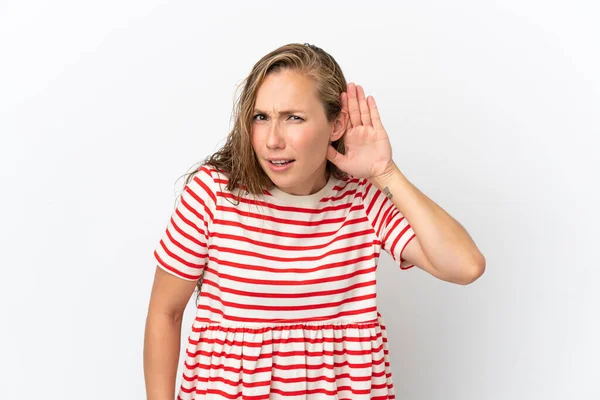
(391, 227)
(183, 248)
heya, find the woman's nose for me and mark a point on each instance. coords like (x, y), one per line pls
(274, 139)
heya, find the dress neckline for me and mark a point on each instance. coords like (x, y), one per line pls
(304, 200)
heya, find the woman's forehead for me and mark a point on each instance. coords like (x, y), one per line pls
(286, 93)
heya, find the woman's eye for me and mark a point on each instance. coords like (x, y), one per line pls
(262, 115)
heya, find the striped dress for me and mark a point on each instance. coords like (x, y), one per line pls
(287, 307)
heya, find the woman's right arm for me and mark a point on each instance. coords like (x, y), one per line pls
(168, 300)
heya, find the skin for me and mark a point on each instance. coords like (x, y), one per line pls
(162, 342)
(303, 135)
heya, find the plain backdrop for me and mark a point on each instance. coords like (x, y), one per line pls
(492, 108)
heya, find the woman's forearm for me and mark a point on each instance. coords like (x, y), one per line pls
(162, 340)
(444, 240)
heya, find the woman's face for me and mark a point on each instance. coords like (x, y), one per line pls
(289, 123)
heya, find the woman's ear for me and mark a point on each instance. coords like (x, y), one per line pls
(339, 126)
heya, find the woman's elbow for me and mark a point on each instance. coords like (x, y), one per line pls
(473, 272)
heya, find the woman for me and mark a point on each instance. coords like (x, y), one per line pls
(281, 231)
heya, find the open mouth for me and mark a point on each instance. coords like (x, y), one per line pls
(280, 163)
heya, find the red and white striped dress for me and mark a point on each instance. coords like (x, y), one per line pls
(288, 305)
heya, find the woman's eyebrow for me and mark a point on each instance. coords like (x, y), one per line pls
(282, 112)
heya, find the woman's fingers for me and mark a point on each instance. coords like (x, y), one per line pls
(356, 103)
(365, 115)
(353, 107)
(375, 118)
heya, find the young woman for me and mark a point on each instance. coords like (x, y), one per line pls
(281, 232)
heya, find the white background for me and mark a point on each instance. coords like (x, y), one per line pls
(492, 108)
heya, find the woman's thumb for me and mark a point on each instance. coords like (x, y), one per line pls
(335, 157)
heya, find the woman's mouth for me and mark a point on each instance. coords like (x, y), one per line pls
(280, 165)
